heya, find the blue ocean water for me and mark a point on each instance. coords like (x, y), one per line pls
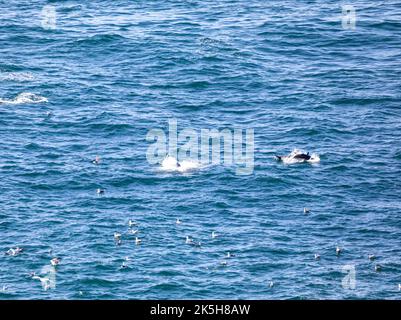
(109, 71)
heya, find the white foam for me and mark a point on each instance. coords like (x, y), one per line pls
(315, 158)
(17, 76)
(291, 160)
(25, 97)
(171, 164)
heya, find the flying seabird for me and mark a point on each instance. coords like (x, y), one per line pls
(45, 281)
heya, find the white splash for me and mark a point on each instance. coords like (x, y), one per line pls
(171, 164)
(314, 158)
(25, 97)
(290, 159)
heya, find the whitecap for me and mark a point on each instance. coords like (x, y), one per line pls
(25, 97)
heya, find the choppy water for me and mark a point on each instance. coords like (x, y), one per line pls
(112, 70)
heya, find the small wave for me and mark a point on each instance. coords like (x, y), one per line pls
(171, 164)
(25, 97)
(16, 76)
(98, 39)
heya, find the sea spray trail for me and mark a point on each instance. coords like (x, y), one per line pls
(108, 72)
(25, 97)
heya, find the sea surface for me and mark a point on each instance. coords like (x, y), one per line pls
(97, 76)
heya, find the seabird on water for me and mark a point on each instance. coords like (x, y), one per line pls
(132, 231)
(117, 238)
(55, 262)
(14, 252)
(132, 223)
(96, 160)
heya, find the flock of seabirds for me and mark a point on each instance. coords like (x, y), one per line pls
(296, 156)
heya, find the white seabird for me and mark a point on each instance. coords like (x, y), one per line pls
(137, 241)
(132, 223)
(306, 210)
(188, 240)
(55, 262)
(338, 251)
(132, 231)
(45, 281)
(14, 252)
(214, 235)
